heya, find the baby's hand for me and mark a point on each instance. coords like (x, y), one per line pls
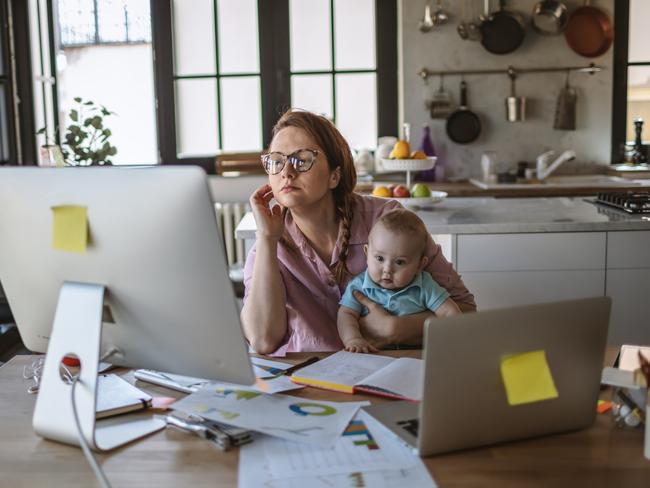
(360, 345)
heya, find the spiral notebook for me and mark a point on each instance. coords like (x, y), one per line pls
(349, 372)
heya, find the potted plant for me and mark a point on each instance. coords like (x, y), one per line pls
(86, 141)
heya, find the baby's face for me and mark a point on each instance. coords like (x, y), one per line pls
(393, 258)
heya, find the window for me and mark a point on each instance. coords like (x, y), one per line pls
(86, 22)
(631, 74)
(103, 54)
(237, 64)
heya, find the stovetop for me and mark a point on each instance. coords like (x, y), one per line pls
(633, 202)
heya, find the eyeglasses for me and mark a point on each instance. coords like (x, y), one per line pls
(302, 160)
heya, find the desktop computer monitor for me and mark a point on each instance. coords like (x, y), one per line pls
(153, 243)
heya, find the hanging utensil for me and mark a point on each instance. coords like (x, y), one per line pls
(462, 25)
(426, 24)
(503, 31)
(565, 108)
(474, 25)
(440, 16)
(463, 126)
(515, 106)
(589, 31)
(440, 107)
(549, 17)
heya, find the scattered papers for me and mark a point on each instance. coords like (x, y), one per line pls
(379, 461)
(527, 378)
(69, 228)
(293, 418)
(363, 447)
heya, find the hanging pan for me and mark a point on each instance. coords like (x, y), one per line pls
(502, 32)
(589, 31)
(463, 126)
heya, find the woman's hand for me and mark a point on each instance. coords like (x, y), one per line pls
(378, 326)
(269, 220)
(381, 328)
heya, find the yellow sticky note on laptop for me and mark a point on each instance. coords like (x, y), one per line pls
(527, 378)
(69, 228)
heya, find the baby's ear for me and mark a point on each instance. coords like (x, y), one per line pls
(365, 249)
(424, 262)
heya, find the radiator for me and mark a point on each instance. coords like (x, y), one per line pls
(228, 216)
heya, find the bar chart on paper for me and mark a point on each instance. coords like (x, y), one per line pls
(362, 447)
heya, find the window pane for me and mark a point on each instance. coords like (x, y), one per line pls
(241, 115)
(313, 93)
(238, 37)
(76, 21)
(639, 44)
(139, 20)
(310, 35)
(354, 34)
(128, 91)
(194, 37)
(356, 108)
(638, 100)
(196, 117)
(111, 20)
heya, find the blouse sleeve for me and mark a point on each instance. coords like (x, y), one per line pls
(445, 275)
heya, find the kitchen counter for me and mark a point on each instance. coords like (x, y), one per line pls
(511, 215)
(466, 189)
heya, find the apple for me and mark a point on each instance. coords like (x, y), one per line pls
(400, 191)
(420, 190)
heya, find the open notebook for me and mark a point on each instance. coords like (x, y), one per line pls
(368, 373)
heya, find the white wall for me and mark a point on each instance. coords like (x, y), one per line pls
(119, 77)
(443, 49)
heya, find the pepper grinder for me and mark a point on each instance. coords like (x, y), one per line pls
(640, 156)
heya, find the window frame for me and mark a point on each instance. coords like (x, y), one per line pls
(275, 70)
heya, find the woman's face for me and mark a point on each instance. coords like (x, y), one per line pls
(294, 189)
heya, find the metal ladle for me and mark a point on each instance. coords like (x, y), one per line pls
(426, 24)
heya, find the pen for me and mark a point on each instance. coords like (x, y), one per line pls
(298, 366)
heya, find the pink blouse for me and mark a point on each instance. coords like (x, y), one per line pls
(312, 292)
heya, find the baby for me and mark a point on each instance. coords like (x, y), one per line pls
(395, 278)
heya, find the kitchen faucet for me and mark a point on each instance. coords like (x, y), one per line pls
(544, 169)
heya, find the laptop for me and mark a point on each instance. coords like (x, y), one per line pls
(465, 404)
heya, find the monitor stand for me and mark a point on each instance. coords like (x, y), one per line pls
(77, 330)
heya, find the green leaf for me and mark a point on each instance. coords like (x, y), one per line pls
(77, 99)
(88, 103)
(96, 122)
(41, 130)
(74, 115)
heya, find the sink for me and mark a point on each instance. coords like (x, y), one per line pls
(574, 181)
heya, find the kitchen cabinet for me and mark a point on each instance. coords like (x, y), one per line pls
(628, 284)
(504, 270)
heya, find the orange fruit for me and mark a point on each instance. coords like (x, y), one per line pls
(418, 155)
(382, 191)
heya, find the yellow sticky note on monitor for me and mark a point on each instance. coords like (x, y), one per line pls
(527, 378)
(69, 228)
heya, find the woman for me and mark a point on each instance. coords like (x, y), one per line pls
(311, 242)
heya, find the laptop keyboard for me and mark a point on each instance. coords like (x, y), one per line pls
(410, 426)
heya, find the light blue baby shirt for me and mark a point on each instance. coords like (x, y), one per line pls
(421, 294)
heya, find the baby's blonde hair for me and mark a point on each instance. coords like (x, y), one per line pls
(404, 221)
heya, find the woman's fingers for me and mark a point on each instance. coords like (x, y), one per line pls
(364, 300)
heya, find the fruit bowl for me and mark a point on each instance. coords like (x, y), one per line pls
(435, 197)
(409, 164)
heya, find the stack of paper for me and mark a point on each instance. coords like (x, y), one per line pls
(367, 454)
(288, 417)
